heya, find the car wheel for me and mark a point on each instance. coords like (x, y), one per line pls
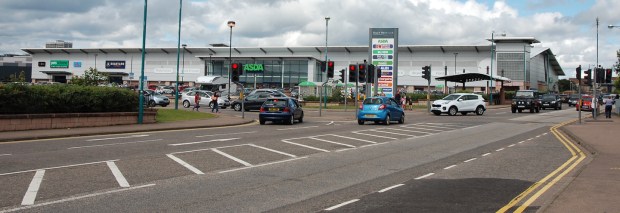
(186, 104)
(544, 108)
(463, 113)
(402, 119)
(164, 105)
(360, 121)
(480, 110)
(301, 119)
(514, 110)
(237, 107)
(151, 103)
(437, 113)
(520, 110)
(291, 121)
(532, 110)
(387, 120)
(452, 111)
(261, 121)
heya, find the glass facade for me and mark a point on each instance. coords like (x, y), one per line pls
(291, 72)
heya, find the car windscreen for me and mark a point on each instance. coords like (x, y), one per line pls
(524, 94)
(275, 103)
(549, 97)
(451, 97)
(586, 99)
(574, 96)
(373, 101)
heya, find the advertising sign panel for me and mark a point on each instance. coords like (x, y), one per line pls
(384, 55)
(59, 63)
(115, 64)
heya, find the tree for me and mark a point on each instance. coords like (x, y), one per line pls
(20, 78)
(564, 85)
(91, 77)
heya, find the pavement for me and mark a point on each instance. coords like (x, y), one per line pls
(593, 187)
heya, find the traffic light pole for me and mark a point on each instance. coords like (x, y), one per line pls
(428, 88)
(580, 103)
(356, 94)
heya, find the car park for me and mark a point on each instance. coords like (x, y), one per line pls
(254, 101)
(205, 99)
(459, 102)
(380, 110)
(155, 99)
(551, 101)
(526, 99)
(281, 109)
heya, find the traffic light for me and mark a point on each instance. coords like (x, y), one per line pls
(371, 73)
(352, 72)
(330, 69)
(362, 72)
(587, 76)
(578, 72)
(600, 75)
(378, 73)
(426, 73)
(322, 66)
(342, 73)
(608, 76)
(237, 70)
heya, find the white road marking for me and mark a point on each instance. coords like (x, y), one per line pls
(357, 139)
(545, 133)
(521, 141)
(209, 141)
(185, 164)
(530, 139)
(379, 136)
(408, 130)
(56, 167)
(499, 113)
(112, 144)
(5, 154)
(328, 141)
(511, 145)
(486, 154)
(330, 123)
(131, 136)
(372, 144)
(499, 149)
(391, 187)
(450, 167)
(273, 150)
(232, 133)
(469, 160)
(424, 176)
(342, 204)
(538, 136)
(232, 157)
(33, 188)
(436, 130)
(264, 164)
(392, 133)
(207, 149)
(118, 174)
(309, 147)
(294, 128)
(74, 198)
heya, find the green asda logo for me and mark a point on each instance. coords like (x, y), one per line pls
(253, 67)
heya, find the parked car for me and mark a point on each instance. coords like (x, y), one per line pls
(564, 98)
(205, 99)
(380, 109)
(573, 99)
(585, 105)
(274, 92)
(153, 98)
(254, 101)
(526, 99)
(459, 102)
(551, 101)
(282, 109)
(165, 89)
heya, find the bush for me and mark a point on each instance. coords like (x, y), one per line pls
(59, 98)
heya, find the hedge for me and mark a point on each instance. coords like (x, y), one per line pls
(61, 98)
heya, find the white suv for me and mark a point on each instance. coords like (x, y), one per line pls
(459, 102)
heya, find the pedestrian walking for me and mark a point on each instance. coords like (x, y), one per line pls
(397, 97)
(593, 105)
(403, 101)
(608, 104)
(216, 107)
(196, 102)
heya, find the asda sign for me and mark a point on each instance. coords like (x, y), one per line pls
(253, 67)
(59, 64)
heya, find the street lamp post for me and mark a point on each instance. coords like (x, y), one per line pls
(141, 97)
(231, 24)
(323, 86)
(455, 54)
(176, 86)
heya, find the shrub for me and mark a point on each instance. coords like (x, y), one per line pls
(59, 98)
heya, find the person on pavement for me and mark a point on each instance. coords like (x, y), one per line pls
(608, 103)
(216, 107)
(593, 106)
(196, 102)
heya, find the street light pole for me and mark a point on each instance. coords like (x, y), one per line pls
(231, 24)
(176, 86)
(141, 96)
(323, 86)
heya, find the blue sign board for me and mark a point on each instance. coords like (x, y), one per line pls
(115, 64)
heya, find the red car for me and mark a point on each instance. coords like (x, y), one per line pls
(587, 103)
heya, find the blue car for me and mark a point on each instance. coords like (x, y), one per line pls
(380, 109)
(283, 109)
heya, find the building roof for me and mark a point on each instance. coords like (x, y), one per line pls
(555, 64)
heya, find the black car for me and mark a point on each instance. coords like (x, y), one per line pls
(526, 99)
(573, 100)
(253, 101)
(551, 101)
(285, 110)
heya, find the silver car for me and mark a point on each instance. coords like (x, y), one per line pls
(153, 99)
(205, 99)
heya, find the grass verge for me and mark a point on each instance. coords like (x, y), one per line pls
(171, 115)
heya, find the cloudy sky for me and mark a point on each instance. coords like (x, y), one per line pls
(568, 27)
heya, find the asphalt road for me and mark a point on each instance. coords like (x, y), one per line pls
(329, 163)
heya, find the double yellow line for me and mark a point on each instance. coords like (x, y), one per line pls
(569, 165)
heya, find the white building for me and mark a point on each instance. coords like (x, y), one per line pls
(285, 67)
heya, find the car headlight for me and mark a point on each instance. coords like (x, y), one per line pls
(553, 102)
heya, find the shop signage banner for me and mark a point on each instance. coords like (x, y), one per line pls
(253, 68)
(384, 55)
(115, 64)
(59, 63)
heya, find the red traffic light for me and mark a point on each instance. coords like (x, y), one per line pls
(330, 64)
(235, 66)
(362, 67)
(352, 67)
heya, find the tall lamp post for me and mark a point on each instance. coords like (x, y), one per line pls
(323, 89)
(231, 24)
(141, 97)
(176, 86)
(455, 54)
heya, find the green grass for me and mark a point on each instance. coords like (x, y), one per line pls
(171, 115)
